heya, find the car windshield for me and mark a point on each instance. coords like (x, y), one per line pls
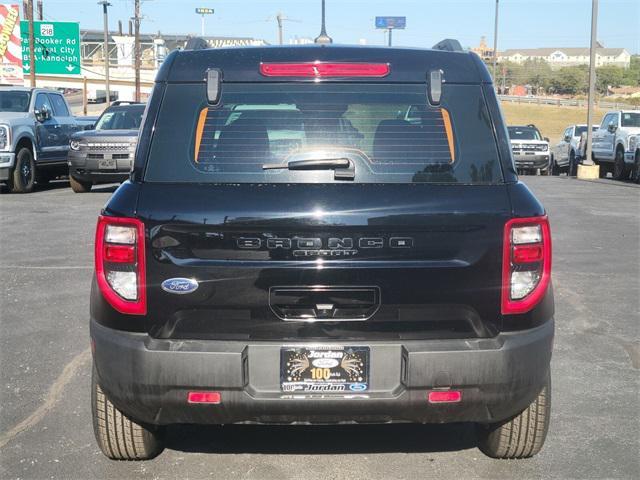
(389, 132)
(14, 101)
(631, 119)
(121, 118)
(523, 133)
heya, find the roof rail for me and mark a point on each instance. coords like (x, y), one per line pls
(196, 43)
(124, 102)
(448, 45)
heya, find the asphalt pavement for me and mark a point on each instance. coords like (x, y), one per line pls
(46, 241)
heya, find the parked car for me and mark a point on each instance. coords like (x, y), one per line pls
(401, 274)
(35, 126)
(530, 149)
(632, 156)
(611, 141)
(566, 154)
(105, 154)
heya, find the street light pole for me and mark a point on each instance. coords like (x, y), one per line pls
(279, 18)
(105, 48)
(390, 35)
(592, 80)
(495, 43)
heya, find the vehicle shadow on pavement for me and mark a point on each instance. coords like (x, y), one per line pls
(321, 439)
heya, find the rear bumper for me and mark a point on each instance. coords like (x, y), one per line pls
(148, 379)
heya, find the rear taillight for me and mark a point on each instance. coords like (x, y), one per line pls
(120, 263)
(324, 69)
(526, 263)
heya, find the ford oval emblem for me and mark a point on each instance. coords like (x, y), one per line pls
(180, 286)
(325, 362)
(357, 387)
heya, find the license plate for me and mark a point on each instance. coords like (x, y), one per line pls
(324, 369)
(107, 164)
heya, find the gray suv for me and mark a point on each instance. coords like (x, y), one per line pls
(35, 127)
(104, 155)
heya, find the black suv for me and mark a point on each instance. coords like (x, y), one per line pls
(105, 154)
(291, 248)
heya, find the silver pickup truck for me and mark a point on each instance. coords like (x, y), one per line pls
(35, 126)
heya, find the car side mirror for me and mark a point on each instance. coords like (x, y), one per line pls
(612, 127)
(567, 138)
(42, 115)
(546, 139)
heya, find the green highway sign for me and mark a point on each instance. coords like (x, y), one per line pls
(204, 11)
(57, 47)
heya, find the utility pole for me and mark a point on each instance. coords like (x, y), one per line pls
(136, 49)
(105, 49)
(32, 42)
(495, 43)
(587, 161)
(390, 35)
(39, 10)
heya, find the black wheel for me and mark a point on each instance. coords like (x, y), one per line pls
(572, 169)
(636, 167)
(22, 178)
(118, 436)
(79, 186)
(555, 170)
(523, 435)
(619, 168)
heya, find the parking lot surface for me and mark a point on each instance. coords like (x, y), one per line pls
(46, 241)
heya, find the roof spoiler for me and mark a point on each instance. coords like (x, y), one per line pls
(196, 43)
(448, 45)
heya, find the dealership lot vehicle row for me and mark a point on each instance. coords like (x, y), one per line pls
(595, 364)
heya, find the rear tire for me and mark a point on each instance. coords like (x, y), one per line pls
(22, 178)
(79, 186)
(619, 168)
(118, 436)
(523, 435)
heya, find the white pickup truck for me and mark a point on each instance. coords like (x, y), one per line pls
(611, 142)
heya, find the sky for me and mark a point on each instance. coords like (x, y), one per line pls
(522, 23)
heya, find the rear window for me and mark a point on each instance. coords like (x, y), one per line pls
(389, 132)
(524, 133)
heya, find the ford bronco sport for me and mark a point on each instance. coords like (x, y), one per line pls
(291, 249)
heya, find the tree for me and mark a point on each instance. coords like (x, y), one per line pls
(608, 76)
(570, 80)
(537, 73)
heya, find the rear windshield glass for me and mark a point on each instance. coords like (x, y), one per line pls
(124, 118)
(523, 133)
(388, 132)
(631, 119)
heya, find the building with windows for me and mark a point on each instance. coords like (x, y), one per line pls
(567, 57)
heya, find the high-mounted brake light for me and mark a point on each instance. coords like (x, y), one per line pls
(324, 69)
(120, 263)
(526, 263)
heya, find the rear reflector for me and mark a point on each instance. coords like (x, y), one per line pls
(119, 253)
(445, 396)
(204, 397)
(322, 69)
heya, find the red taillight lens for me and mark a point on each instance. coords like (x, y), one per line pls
(119, 253)
(120, 263)
(324, 69)
(204, 397)
(526, 263)
(445, 396)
